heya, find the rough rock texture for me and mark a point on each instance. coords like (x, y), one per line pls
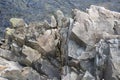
(84, 47)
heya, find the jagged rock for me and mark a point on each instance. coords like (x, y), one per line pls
(31, 55)
(74, 50)
(87, 65)
(44, 67)
(20, 39)
(60, 17)
(117, 27)
(88, 76)
(7, 54)
(1, 78)
(15, 49)
(112, 70)
(17, 22)
(97, 24)
(53, 22)
(45, 43)
(70, 76)
(30, 74)
(9, 67)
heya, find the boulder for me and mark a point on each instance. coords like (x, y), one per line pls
(30, 74)
(46, 43)
(112, 69)
(1, 78)
(70, 76)
(53, 22)
(96, 23)
(60, 17)
(9, 67)
(17, 22)
(88, 76)
(30, 54)
(46, 68)
(74, 50)
(7, 54)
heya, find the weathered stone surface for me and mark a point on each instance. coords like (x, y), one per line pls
(15, 49)
(1, 78)
(17, 22)
(46, 43)
(60, 17)
(9, 67)
(112, 69)
(74, 50)
(31, 55)
(88, 76)
(30, 74)
(83, 48)
(7, 54)
(44, 67)
(70, 76)
(53, 22)
(95, 25)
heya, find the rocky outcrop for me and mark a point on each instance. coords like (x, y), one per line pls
(84, 47)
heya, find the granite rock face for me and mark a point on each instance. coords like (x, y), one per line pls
(84, 47)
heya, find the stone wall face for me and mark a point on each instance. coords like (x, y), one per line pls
(84, 47)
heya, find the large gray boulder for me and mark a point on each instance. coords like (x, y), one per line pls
(95, 24)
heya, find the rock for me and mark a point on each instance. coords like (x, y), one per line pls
(31, 55)
(92, 27)
(17, 22)
(53, 22)
(70, 76)
(46, 43)
(44, 67)
(117, 27)
(30, 74)
(7, 55)
(15, 49)
(87, 76)
(8, 36)
(87, 65)
(9, 67)
(74, 50)
(19, 39)
(112, 69)
(60, 17)
(81, 36)
(1, 78)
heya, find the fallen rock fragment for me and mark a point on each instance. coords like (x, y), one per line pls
(88, 76)
(44, 67)
(1, 78)
(17, 22)
(31, 55)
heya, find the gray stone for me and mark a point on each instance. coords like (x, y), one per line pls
(97, 23)
(30, 74)
(44, 67)
(31, 55)
(112, 69)
(17, 22)
(7, 55)
(60, 17)
(88, 76)
(1, 78)
(74, 50)
(9, 67)
(53, 22)
(70, 76)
